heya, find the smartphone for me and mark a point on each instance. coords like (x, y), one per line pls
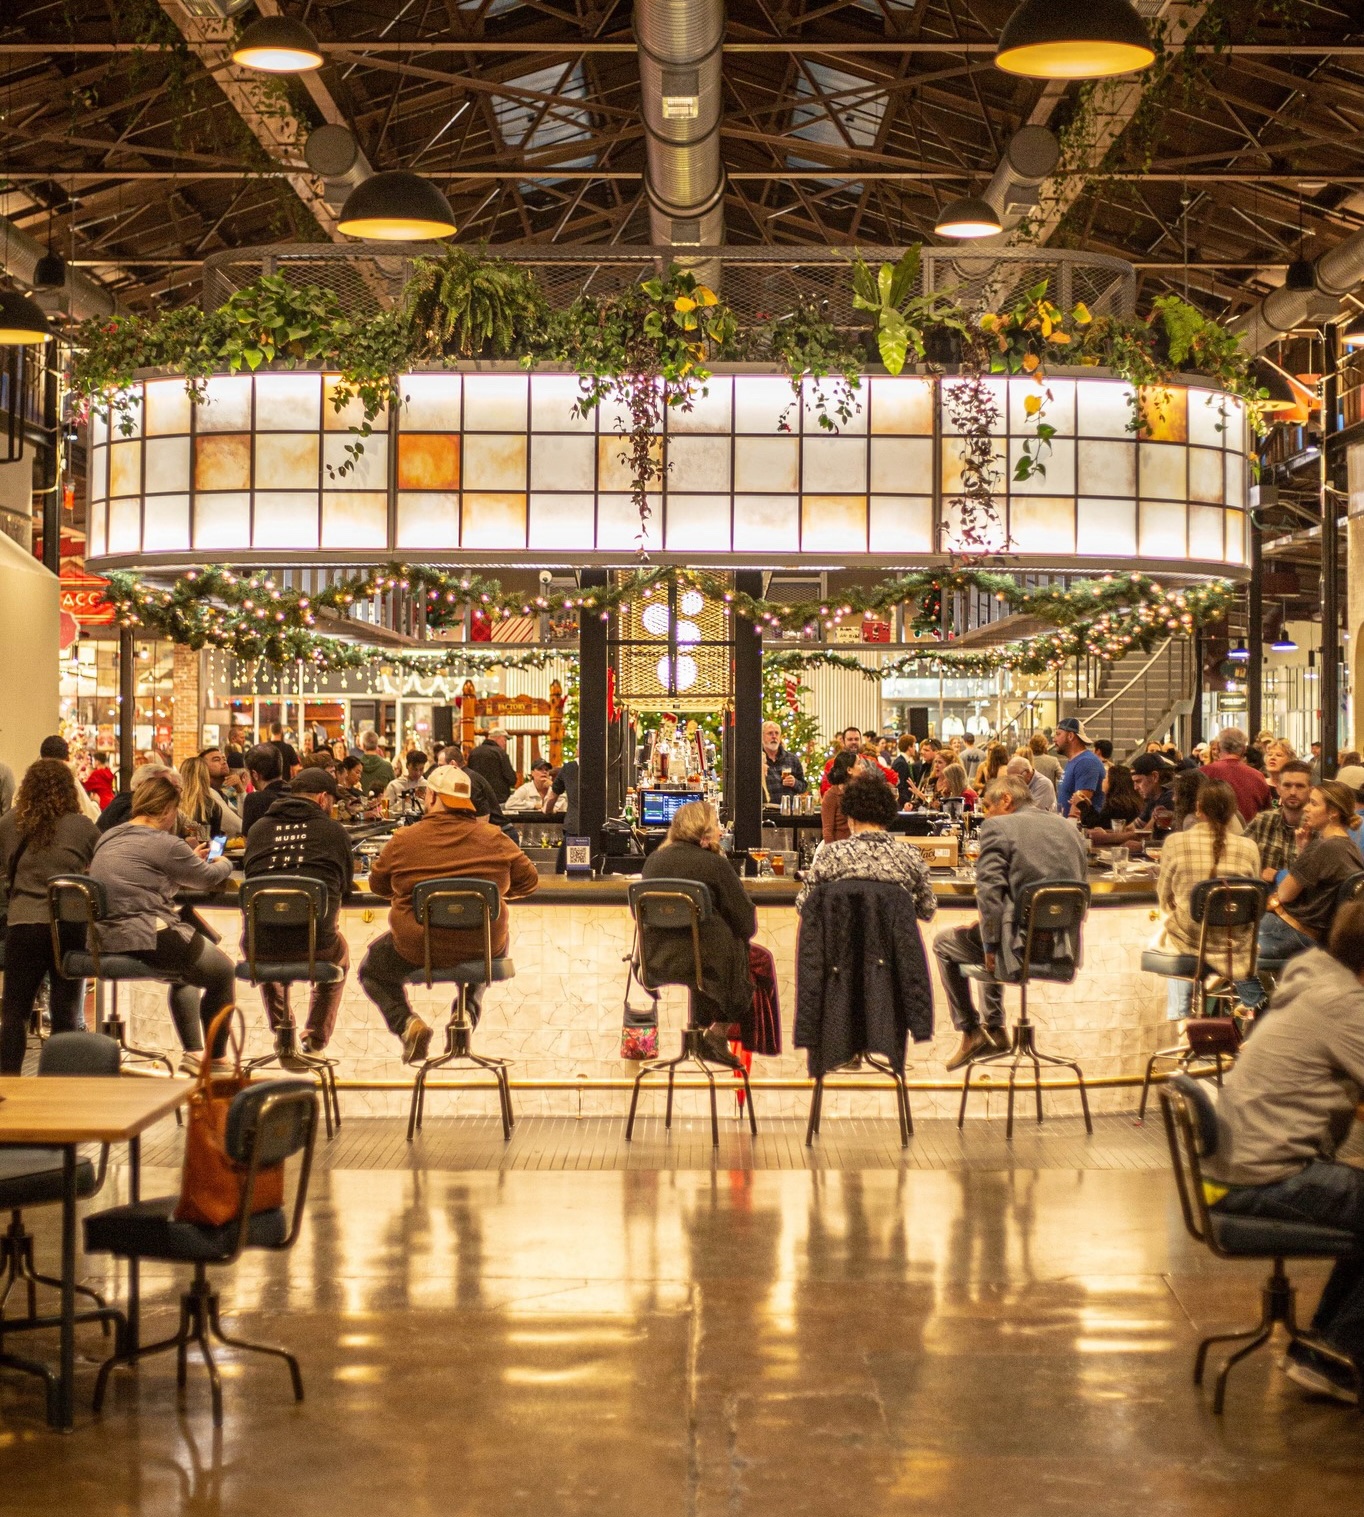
(215, 848)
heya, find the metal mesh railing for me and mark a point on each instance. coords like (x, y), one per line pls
(757, 282)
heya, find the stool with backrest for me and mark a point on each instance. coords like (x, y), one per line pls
(77, 898)
(1222, 908)
(666, 905)
(1049, 915)
(455, 904)
(296, 903)
(1191, 1130)
(33, 1177)
(1351, 889)
(267, 1124)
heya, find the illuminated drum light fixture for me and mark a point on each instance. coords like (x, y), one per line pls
(1240, 654)
(277, 45)
(968, 217)
(1063, 39)
(21, 322)
(397, 206)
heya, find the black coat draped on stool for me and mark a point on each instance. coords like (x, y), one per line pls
(862, 982)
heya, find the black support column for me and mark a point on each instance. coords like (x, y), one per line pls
(592, 664)
(1330, 558)
(52, 494)
(1255, 634)
(748, 720)
(127, 706)
(1196, 714)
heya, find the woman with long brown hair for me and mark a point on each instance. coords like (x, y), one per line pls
(1209, 850)
(45, 834)
(996, 762)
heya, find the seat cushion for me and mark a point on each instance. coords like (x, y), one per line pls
(468, 973)
(33, 1177)
(1265, 1237)
(1179, 966)
(148, 1230)
(79, 965)
(1060, 970)
(290, 971)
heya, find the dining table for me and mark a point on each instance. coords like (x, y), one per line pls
(63, 1112)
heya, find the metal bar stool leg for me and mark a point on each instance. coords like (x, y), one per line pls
(634, 1105)
(748, 1102)
(714, 1112)
(812, 1126)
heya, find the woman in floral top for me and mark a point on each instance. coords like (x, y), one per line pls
(870, 852)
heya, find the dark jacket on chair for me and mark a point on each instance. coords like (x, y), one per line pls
(489, 760)
(724, 937)
(862, 983)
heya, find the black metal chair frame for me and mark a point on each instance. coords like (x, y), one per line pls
(452, 897)
(882, 1066)
(687, 897)
(1278, 1296)
(64, 892)
(1047, 906)
(287, 893)
(199, 1305)
(1223, 904)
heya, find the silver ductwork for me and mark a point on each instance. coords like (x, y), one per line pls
(1337, 272)
(81, 296)
(1029, 161)
(680, 56)
(333, 154)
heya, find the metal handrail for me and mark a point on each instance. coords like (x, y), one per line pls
(1145, 669)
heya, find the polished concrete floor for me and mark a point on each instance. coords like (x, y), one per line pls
(706, 1342)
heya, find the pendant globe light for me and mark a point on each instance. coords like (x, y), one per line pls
(1063, 39)
(21, 322)
(277, 45)
(968, 217)
(396, 206)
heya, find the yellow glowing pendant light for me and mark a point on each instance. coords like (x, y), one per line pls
(1074, 39)
(21, 321)
(277, 45)
(396, 206)
(968, 217)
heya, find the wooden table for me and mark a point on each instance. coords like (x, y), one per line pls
(62, 1112)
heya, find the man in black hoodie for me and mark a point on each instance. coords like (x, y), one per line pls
(298, 835)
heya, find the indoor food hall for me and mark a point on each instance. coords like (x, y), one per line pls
(678, 711)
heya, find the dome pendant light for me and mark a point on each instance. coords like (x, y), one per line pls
(1240, 654)
(21, 322)
(396, 206)
(277, 45)
(1060, 39)
(968, 217)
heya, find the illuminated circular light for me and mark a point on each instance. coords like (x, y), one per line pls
(686, 672)
(656, 619)
(661, 669)
(396, 206)
(278, 45)
(21, 321)
(692, 602)
(1058, 39)
(968, 217)
(688, 632)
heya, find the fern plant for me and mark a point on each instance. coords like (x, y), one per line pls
(466, 305)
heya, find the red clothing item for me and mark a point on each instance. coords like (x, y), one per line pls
(100, 784)
(1252, 792)
(889, 775)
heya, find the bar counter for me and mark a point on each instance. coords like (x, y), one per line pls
(560, 1018)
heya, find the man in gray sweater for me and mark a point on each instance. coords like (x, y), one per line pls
(1019, 845)
(1288, 1104)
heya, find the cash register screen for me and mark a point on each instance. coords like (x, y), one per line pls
(660, 806)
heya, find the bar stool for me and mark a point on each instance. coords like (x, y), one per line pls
(1223, 905)
(1047, 912)
(77, 898)
(291, 901)
(466, 905)
(677, 906)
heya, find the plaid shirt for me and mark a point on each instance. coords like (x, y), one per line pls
(1276, 840)
(873, 856)
(1185, 861)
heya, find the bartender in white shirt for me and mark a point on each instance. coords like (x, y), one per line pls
(531, 796)
(398, 792)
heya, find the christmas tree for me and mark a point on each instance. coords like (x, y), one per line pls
(782, 691)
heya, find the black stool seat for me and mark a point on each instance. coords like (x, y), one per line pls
(470, 972)
(1177, 966)
(148, 1230)
(79, 965)
(1266, 1237)
(290, 972)
(1061, 971)
(33, 1177)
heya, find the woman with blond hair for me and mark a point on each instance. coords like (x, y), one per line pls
(691, 851)
(44, 834)
(1044, 760)
(201, 804)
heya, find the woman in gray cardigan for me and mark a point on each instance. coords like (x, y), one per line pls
(142, 865)
(45, 834)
